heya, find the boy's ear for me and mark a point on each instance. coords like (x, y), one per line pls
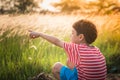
(81, 37)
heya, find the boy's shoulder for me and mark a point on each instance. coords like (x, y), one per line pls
(81, 46)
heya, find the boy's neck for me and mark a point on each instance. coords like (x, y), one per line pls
(83, 42)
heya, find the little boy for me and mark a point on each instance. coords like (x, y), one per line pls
(84, 62)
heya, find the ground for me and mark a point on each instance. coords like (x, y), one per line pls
(43, 76)
(113, 77)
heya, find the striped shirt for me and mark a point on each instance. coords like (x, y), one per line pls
(89, 61)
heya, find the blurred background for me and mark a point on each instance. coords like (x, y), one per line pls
(22, 57)
(58, 6)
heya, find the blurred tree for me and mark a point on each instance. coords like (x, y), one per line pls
(105, 6)
(24, 5)
(99, 6)
(12, 6)
(68, 5)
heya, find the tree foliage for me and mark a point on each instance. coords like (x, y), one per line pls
(105, 6)
(11, 6)
(68, 5)
(98, 6)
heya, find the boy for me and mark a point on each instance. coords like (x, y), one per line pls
(84, 62)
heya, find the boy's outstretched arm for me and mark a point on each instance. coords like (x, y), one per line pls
(51, 39)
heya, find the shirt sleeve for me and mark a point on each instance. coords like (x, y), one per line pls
(69, 47)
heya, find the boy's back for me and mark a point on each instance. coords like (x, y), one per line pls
(89, 61)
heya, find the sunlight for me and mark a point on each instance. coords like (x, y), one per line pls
(90, 0)
(46, 5)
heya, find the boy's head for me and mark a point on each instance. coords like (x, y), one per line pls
(83, 32)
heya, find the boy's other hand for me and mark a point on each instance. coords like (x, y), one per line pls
(34, 34)
(70, 64)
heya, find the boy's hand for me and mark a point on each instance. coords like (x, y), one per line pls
(70, 64)
(34, 34)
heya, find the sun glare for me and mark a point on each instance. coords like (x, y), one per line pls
(46, 5)
(90, 0)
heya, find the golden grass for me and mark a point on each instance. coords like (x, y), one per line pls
(55, 23)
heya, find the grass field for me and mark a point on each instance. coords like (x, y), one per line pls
(22, 57)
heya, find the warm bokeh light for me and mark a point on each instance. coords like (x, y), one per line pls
(46, 5)
(90, 0)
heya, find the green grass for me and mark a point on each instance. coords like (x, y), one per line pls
(22, 57)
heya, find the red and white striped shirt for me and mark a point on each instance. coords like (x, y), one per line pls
(89, 61)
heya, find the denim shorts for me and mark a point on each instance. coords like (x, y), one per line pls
(68, 74)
